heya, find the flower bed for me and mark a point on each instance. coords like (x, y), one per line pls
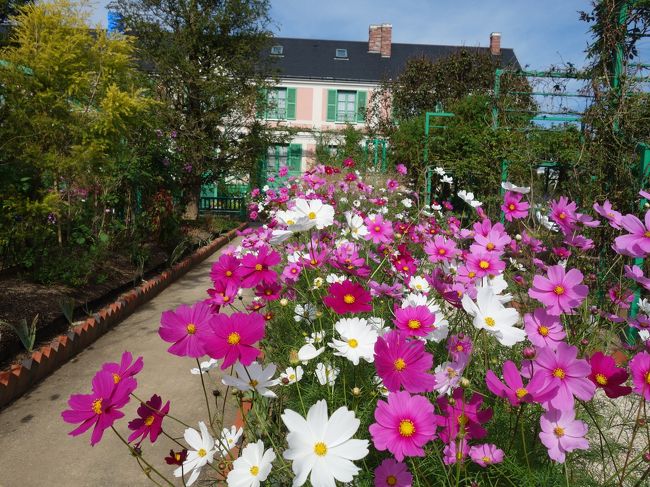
(394, 344)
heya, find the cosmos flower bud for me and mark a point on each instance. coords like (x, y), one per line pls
(529, 353)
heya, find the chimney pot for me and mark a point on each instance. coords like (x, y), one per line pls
(495, 43)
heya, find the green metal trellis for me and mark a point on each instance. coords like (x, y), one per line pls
(428, 173)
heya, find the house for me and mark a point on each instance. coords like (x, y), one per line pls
(325, 84)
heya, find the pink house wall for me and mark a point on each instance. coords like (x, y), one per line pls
(304, 103)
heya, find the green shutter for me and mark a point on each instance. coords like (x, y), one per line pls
(291, 103)
(361, 106)
(262, 102)
(331, 105)
(294, 158)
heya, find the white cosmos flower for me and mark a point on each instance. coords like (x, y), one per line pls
(515, 189)
(644, 305)
(498, 284)
(304, 312)
(439, 171)
(318, 214)
(308, 352)
(490, 315)
(379, 324)
(279, 236)
(326, 374)
(419, 284)
(323, 446)
(228, 439)
(253, 376)
(355, 224)
(316, 337)
(407, 202)
(200, 452)
(469, 198)
(205, 366)
(334, 278)
(291, 375)
(447, 179)
(294, 220)
(357, 340)
(252, 467)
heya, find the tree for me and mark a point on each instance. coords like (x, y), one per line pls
(205, 58)
(9, 8)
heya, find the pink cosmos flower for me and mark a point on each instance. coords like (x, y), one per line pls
(455, 451)
(291, 272)
(379, 230)
(462, 417)
(403, 425)
(392, 473)
(543, 329)
(564, 213)
(189, 329)
(223, 294)
(100, 408)
(401, 169)
(392, 185)
(513, 207)
(636, 274)
(256, 268)
(235, 336)
(606, 375)
(637, 242)
(537, 390)
(441, 249)
(150, 421)
(562, 368)
(484, 264)
(561, 291)
(403, 363)
(605, 210)
(486, 454)
(125, 368)
(348, 297)
(640, 368)
(562, 433)
(620, 297)
(459, 346)
(495, 241)
(227, 270)
(414, 320)
(268, 292)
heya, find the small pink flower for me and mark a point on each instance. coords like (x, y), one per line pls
(188, 328)
(537, 390)
(235, 336)
(513, 207)
(379, 230)
(441, 249)
(150, 421)
(403, 425)
(636, 274)
(403, 363)
(348, 297)
(257, 268)
(640, 367)
(637, 242)
(605, 210)
(484, 264)
(561, 291)
(392, 473)
(415, 320)
(562, 433)
(606, 375)
(401, 169)
(486, 454)
(455, 451)
(564, 213)
(543, 330)
(125, 368)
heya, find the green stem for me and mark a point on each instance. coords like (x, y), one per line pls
(205, 392)
(132, 450)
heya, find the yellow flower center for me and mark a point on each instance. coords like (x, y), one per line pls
(486, 459)
(149, 420)
(191, 328)
(647, 234)
(258, 267)
(291, 222)
(559, 290)
(255, 470)
(543, 330)
(202, 452)
(97, 406)
(521, 392)
(462, 420)
(489, 321)
(559, 373)
(414, 324)
(353, 343)
(471, 274)
(647, 378)
(490, 246)
(405, 268)
(228, 273)
(292, 376)
(511, 207)
(442, 251)
(406, 428)
(484, 264)
(558, 431)
(234, 338)
(459, 348)
(601, 379)
(320, 449)
(377, 228)
(253, 383)
(399, 364)
(312, 215)
(116, 378)
(391, 480)
(226, 299)
(562, 216)
(349, 299)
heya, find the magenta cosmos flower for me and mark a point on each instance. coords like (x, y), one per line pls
(100, 408)
(640, 367)
(403, 363)
(189, 329)
(562, 433)
(483, 264)
(403, 425)
(257, 268)
(513, 207)
(348, 297)
(637, 242)
(379, 230)
(392, 473)
(561, 291)
(227, 270)
(537, 390)
(570, 374)
(150, 421)
(460, 416)
(235, 336)
(542, 329)
(126, 367)
(606, 375)
(564, 213)
(486, 454)
(441, 249)
(414, 320)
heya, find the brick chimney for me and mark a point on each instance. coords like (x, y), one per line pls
(374, 39)
(386, 39)
(495, 43)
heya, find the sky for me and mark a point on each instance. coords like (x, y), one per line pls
(542, 32)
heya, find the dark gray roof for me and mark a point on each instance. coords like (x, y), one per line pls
(315, 59)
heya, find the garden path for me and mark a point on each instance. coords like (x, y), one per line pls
(35, 448)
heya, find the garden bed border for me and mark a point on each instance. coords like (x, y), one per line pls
(19, 378)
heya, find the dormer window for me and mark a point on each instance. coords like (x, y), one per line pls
(342, 53)
(277, 50)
